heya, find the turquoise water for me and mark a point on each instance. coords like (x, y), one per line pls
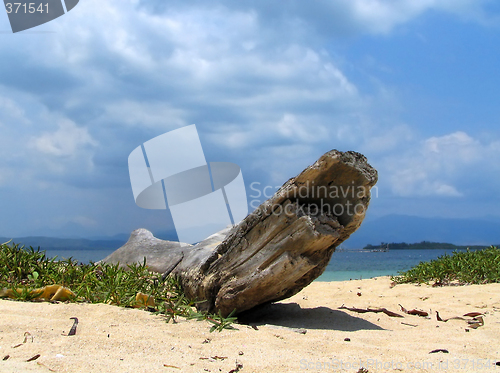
(329, 275)
(347, 265)
(344, 265)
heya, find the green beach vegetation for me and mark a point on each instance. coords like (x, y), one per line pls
(23, 270)
(463, 268)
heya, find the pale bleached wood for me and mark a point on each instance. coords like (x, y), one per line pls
(276, 250)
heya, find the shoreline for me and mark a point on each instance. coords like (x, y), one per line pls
(340, 276)
(294, 335)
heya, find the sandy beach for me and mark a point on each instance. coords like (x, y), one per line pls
(306, 333)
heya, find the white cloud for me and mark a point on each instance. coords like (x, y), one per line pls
(441, 166)
(384, 140)
(11, 112)
(294, 129)
(66, 141)
(331, 18)
(381, 16)
(156, 115)
(189, 65)
(455, 146)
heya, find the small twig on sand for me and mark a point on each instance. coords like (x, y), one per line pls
(376, 310)
(73, 328)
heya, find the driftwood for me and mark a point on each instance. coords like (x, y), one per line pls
(276, 250)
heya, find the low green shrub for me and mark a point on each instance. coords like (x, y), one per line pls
(466, 267)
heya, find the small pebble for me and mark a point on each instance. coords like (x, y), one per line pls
(240, 353)
(301, 331)
(347, 339)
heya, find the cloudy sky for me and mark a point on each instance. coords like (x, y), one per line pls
(271, 86)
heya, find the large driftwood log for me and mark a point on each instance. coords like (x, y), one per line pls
(276, 250)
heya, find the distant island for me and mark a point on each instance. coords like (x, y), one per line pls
(385, 246)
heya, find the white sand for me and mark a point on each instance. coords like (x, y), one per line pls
(114, 339)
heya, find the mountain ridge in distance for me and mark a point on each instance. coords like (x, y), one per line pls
(92, 243)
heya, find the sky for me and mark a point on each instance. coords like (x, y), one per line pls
(271, 86)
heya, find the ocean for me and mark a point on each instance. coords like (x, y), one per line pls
(344, 265)
(359, 264)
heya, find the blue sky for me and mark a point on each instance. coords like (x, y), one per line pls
(271, 86)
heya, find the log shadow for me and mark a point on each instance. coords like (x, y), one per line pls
(291, 315)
